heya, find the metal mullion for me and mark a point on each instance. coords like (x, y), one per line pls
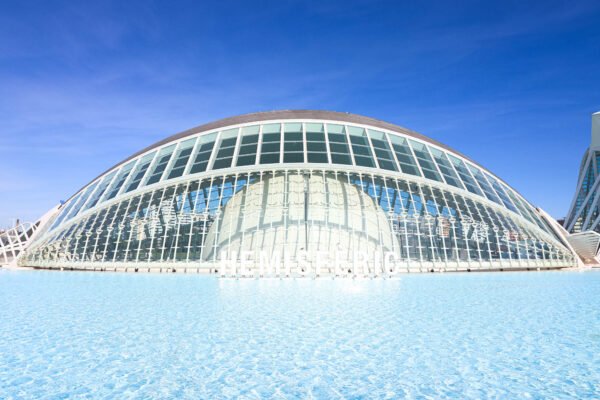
(220, 190)
(304, 145)
(416, 217)
(109, 225)
(179, 218)
(466, 212)
(328, 149)
(78, 225)
(87, 240)
(153, 235)
(455, 169)
(495, 192)
(379, 228)
(206, 215)
(389, 215)
(261, 210)
(393, 151)
(193, 155)
(475, 180)
(417, 162)
(193, 217)
(164, 174)
(487, 211)
(373, 155)
(91, 195)
(476, 227)
(535, 241)
(442, 203)
(259, 144)
(404, 220)
(434, 161)
(214, 151)
(496, 230)
(123, 186)
(137, 210)
(162, 249)
(139, 249)
(281, 142)
(507, 227)
(593, 196)
(236, 149)
(577, 190)
(143, 179)
(243, 209)
(173, 159)
(514, 228)
(108, 186)
(452, 221)
(526, 239)
(427, 214)
(233, 192)
(349, 144)
(100, 227)
(285, 209)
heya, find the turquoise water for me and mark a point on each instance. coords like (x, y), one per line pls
(106, 335)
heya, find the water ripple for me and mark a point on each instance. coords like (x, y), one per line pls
(494, 335)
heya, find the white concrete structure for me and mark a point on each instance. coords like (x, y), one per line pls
(586, 244)
(316, 185)
(584, 213)
(16, 240)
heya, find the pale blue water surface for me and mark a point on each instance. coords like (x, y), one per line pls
(478, 335)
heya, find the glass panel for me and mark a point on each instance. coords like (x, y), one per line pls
(205, 146)
(501, 193)
(160, 164)
(226, 149)
(139, 172)
(445, 167)
(293, 146)
(319, 147)
(119, 181)
(271, 140)
(317, 158)
(249, 145)
(483, 184)
(425, 161)
(407, 162)
(65, 211)
(385, 159)
(181, 159)
(101, 189)
(465, 175)
(338, 144)
(82, 200)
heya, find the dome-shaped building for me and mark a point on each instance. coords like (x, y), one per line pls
(298, 192)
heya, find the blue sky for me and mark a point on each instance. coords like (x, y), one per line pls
(82, 86)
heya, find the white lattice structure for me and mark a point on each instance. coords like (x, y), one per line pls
(293, 182)
(15, 240)
(584, 213)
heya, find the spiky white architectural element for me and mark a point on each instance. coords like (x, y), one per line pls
(584, 214)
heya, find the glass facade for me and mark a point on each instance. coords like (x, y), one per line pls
(293, 186)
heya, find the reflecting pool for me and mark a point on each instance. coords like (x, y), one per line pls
(108, 335)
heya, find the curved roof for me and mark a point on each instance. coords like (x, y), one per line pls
(293, 114)
(475, 180)
(318, 115)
